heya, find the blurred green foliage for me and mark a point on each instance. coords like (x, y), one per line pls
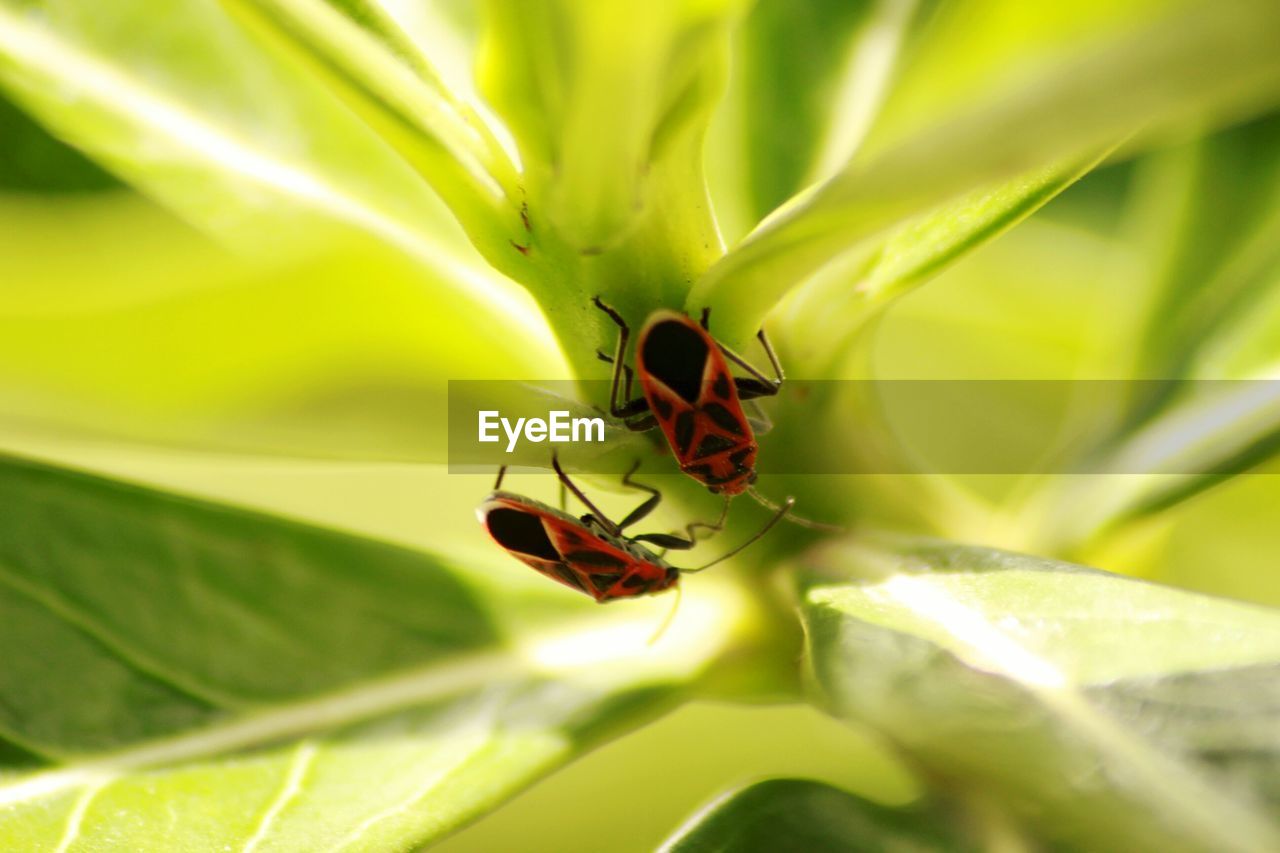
(34, 161)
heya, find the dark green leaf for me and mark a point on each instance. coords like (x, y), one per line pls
(33, 161)
(791, 59)
(1177, 61)
(193, 676)
(1217, 255)
(783, 815)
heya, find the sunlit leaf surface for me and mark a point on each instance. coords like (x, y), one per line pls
(1105, 712)
(265, 157)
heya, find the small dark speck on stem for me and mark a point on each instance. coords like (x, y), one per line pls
(524, 250)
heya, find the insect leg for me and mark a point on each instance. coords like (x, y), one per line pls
(662, 540)
(756, 385)
(665, 540)
(497, 484)
(567, 483)
(649, 505)
(715, 526)
(626, 370)
(634, 407)
(798, 520)
(629, 411)
(773, 356)
(782, 511)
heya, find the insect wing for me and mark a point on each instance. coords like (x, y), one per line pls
(690, 389)
(561, 548)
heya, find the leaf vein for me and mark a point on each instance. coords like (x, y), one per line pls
(302, 759)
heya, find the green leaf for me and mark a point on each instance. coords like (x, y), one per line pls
(797, 814)
(1040, 302)
(822, 328)
(36, 162)
(1248, 348)
(596, 96)
(1217, 254)
(410, 107)
(785, 96)
(1211, 210)
(1189, 60)
(248, 147)
(149, 333)
(1207, 433)
(1105, 712)
(792, 117)
(193, 675)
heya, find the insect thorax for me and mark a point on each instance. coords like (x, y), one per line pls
(635, 549)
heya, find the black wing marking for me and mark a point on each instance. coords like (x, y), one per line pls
(522, 533)
(676, 355)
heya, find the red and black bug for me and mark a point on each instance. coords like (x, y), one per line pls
(692, 396)
(591, 554)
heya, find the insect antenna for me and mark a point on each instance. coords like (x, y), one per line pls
(502, 472)
(798, 520)
(669, 618)
(781, 512)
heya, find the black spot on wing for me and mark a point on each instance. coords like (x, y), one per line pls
(698, 472)
(587, 557)
(741, 456)
(635, 580)
(684, 431)
(703, 474)
(571, 577)
(604, 581)
(662, 407)
(676, 354)
(723, 418)
(722, 386)
(712, 444)
(521, 532)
